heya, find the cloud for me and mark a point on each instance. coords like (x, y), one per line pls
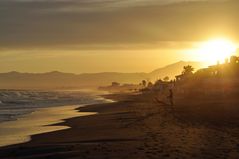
(46, 6)
(108, 23)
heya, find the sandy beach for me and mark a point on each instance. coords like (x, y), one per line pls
(139, 126)
(21, 130)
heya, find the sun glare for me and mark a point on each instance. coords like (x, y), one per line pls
(218, 50)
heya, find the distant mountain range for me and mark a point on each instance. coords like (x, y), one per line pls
(174, 69)
(59, 80)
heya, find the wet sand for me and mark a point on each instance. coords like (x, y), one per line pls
(141, 127)
(20, 130)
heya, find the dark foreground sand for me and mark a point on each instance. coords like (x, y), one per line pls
(140, 127)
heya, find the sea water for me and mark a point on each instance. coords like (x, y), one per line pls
(15, 103)
(27, 113)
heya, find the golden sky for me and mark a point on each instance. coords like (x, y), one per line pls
(100, 35)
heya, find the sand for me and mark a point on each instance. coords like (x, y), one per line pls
(140, 127)
(20, 130)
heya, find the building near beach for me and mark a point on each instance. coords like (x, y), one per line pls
(229, 69)
(218, 79)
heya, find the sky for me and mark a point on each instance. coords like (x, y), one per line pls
(81, 36)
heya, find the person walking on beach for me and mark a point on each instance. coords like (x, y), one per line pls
(170, 97)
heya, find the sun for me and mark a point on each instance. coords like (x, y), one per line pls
(217, 50)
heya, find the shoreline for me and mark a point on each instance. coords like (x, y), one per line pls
(136, 126)
(42, 120)
(39, 121)
(44, 99)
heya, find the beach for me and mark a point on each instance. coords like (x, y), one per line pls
(140, 126)
(21, 130)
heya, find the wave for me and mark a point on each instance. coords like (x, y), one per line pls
(16, 103)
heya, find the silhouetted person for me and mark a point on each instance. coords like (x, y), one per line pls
(170, 97)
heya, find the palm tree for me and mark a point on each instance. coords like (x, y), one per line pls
(187, 70)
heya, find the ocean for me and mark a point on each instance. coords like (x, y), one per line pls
(16, 103)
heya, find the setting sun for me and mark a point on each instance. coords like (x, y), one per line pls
(218, 50)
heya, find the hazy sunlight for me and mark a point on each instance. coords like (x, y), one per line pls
(216, 50)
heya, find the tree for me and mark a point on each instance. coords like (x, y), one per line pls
(150, 85)
(234, 60)
(166, 79)
(187, 70)
(144, 83)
